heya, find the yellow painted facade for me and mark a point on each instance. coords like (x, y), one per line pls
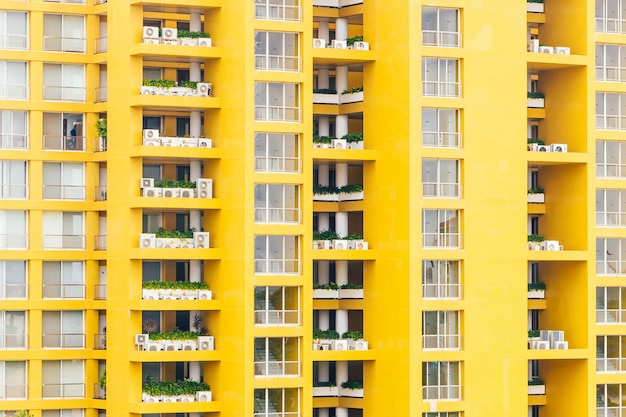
(443, 109)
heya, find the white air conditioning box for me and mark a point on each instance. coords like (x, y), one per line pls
(340, 344)
(544, 148)
(204, 89)
(206, 42)
(147, 240)
(541, 344)
(203, 396)
(206, 343)
(337, 44)
(561, 50)
(151, 192)
(204, 187)
(339, 144)
(189, 345)
(361, 46)
(558, 147)
(141, 340)
(533, 45)
(205, 295)
(561, 344)
(151, 142)
(150, 134)
(153, 41)
(169, 33)
(546, 50)
(205, 143)
(150, 32)
(319, 43)
(201, 240)
(146, 182)
(187, 193)
(551, 245)
(171, 192)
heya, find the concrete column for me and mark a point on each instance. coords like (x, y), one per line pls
(341, 174)
(341, 79)
(323, 79)
(341, 29)
(323, 126)
(323, 276)
(341, 372)
(341, 125)
(341, 272)
(323, 32)
(323, 174)
(341, 223)
(341, 321)
(195, 22)
(195, 123)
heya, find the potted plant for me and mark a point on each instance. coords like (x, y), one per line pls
(536, 291)
(536, 195)
(322, 141)
(160, 290)
(323, 339)
(325, 96)
(22, 413)
(355, 340)
(534, 6)
(323, 239)
(354, 140)
(174, 238)
(534, 241)
(351, 192)
(534, 143)
(325, 389)
(351, 389)
(535, 100)
(351, 291)
(352, 95)
(355, 241)
(325, 193)
(102, 383)
(325, 291)
(101, 129)
(536, 387)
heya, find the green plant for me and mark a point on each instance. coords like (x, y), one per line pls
(329, 286)
(352, 385)
(535, 140)
(159, 83)
(352, 90)
(102, 382)
(189, 84)
(352, 188)
(324, 91)
(22, 413)
(352, 287)
(353, 137)
(172, 388)
(325, 334)
(354, 335)
(191, 34)
(351, 41)
(175, 334)
(535, 190)
(324, 384)
(535, 95)
(533, 333)
(325, 234)
(535, 238)
(186, 234)
(354, 236)
(536, 286)
(535, 381)
(323, 139)
(325, 189)
(174, 285)
(101, 127)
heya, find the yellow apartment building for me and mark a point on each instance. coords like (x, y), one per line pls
(312, 208)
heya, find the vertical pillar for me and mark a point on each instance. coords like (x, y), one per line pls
(322, 31)
(341, 79)
(341, 29)
(341, 375)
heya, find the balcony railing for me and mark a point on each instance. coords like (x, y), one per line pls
(441, 240)
(442, 291)
(13, 392)
(277, 63)
(611, 316)
(441, 139)
(440, 38)
(277, 266)
(441, 189)
(64, 143)
(277, 114)
(277, 164)
(611, 219)
(13, 242)
(277, 317)
(64, 291)
(277, 215)
(14, 91)
(100, 95)
(13, 341)
(63, 192)
(62, 93)
(100, 341)
(441, 89)
(61, 44)
(102, 44)
(100, 242)
(608, 365)
(441, 392)
(21, 42)
(264, 10)
(612, 74)
(13, 191)
(100, 292)
(66, 1)
(70, 390)
(13, 291)
(449, 342)
(100, 193)
(608, 25)
(64, 241)
(610, 170)
(64, 340)
(287, 368)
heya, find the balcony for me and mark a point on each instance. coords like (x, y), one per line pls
(100, 193)
(336, 3)
(174, 341)
(333, 292)
(284, 164)
(441, 190)
(287, 114)
(537, 242)
(277, 63)
(14, 391)
(100, 292)
(277, 266)
(172, 36)
(352, 192)
(329, 340)
(442, 291)
(202, 188)
(13, 341)
(175, 239)
(171, 88)
(277, 215)
(18, 291)
(14, 91)
(441, 89)
(100, 341)
(441, 38)
(71, 242)
(176, 290)
(266, 10)
(64, 143)
(441, 342)
(101, 45)
(441, 240)
(100, 95)
(326, 96)
(536, 387)
(100, 242)
(64, 291)
(277, 317)
(534, 6)
(547, 339)
(168, 392)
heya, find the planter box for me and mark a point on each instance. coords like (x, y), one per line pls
(326, 391)
(356, 195)
(321, 244)
(189, 42)
(190, 295)
(536, 390)
(149, 398)
(150, 294)
(351, 98)
(350, 293)
(339, 144)
(536, 294)
(325, 294)
(355, 393)
(534, 7)
(355, 145)
(340, 244)
(186, 398)
(536, 198)
(319, 98)
(535, 103)
(326, 197)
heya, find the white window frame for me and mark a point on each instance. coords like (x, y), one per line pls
(266, 313)
(441, 133)
(610, 111)
(265, 57)
(604, 397)
(610, 256)
(441, 414)
(284, 409)
(610, 353)
(441, 330)
(610, 305)
(441, 77)
(448, 237)
(270, 109)
(437, 188)
(63, 230)
(610, 21)
(13, 179)
(285, 10)
(610, 62)
(266, 364)
(9, 390)
(13, 279)
(276, 261)
(69, 178)
(11, 339)
(71, 412)
(14, 129)
(441, 279)
(14, 90)
(277, 152)
(444, 385)
(66, 321)
(66, 383)
(438, 36)
(272, 203)
(13, 229)
(610, 159)
(63, 35)
(57, 131)
(67, 86)
(63, 279)
(609, 206)
(14, 39)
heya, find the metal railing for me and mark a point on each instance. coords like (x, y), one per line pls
(64, 143)
(63, 192)
(64, 241)
(13, 291)
(277, 215)
(70, 390)
(277, 164)
(277, 317)
(13, 341)
(13, 241)
(286, 368)
(62, 44)
(441, 89)
(611, 316)
(63, 340)
(100, 292)
(610, 219)
(64, 291)
(441, 38)
(441, 240)
(100, 242)
(13, 142)
(14, 91)
(610, 170)
(610, 122)
(441, 392)
(277, 266)
(102, 44)
(20, 42)
(62, 93)
(434, 341)
(100, 193)
(442, 291)
(608, 365)
(277, 114)
(277, 63)
(612, 74)
(263, 10)
(14, 191)
(441, 139)
(441, 189)
(66, 1)
(100, 95)
(100, 341)
(13, 391)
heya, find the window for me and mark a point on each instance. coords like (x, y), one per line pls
(13, 279)
(13, 80)
(609, 256)
(440, 229)
(64, 82)
(13, 30)
(441, 330)
(609, 62)
(277, 356)
(63, 279)
(610, 111)
(609, 307)
(64, 33)
(276, 102)
(609, 157)
(13, 180)
(63, 181)
(610, 15)
(13, 129)
(76, 412)
(277, 10)
(63, 230)
(441, 128)
(443, 414)
(609, 400)
(276, 255)
(277, 402)
(440, 27)
(13, 229)
(276, 152)
(441, 77)
(63, 132)
(13, 380)
(63, 329)
(276, 203)
(63, 379)
(441, 178)
(441, 380)
(276, 51)
(609, 204)
(276, 306)
(441, 279)
(13, 327)
(611, 353)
